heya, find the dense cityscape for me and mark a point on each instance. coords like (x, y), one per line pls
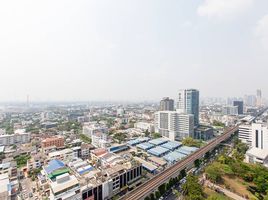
(210, 147)
(133, 100)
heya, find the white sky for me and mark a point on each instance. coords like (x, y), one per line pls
(131, 50)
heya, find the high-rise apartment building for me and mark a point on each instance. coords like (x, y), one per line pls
(250, 100)
(230, 110)
(245, 134)
(259, 98)
(240, 105)
(188, 102)
(166, 104)
(174, 125)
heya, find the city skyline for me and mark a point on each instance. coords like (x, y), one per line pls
(131, 51)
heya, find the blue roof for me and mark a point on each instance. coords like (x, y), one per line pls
(118, 148)
(186, 150)
(158, 151)
(174, 157)
(145, 146)
(138, 141)
(158, 141)
(54, 165)
(83, 170)
(171, 145)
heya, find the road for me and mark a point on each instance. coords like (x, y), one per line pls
(145, 189)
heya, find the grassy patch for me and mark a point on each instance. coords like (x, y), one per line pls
(211, 193)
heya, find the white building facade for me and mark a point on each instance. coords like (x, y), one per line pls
(174, 125)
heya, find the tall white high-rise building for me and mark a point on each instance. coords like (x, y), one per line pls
(255, 135)
(188, 103)
(245, 134)
(174, 125)
(259, 98)
(260, 136)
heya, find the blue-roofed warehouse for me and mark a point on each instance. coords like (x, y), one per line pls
(171, 145)
(174, 157)
(119, 148)
(186, 150)
(145, 146)
(158, 141)
(54, 165)
(158, 151)
(138, 141)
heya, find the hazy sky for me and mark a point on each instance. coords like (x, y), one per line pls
(131, 49)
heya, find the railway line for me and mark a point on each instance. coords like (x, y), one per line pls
(145, 189)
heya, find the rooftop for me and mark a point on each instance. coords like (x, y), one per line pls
(145, 146)
(146, 164)
(158, 151)
(260, 153)
(54, 165)
(158, 141)
(171, 145)
(174, 156)
(138, 140)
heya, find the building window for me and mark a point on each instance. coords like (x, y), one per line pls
(257, 138)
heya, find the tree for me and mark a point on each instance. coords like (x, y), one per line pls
(147, 133)
(162, 189)
(192, 189)
(157, 194)
(85, 138)
(218, 123)
(156, 135)
(176, 192)
(147, 198)
(197, 163)
(182, 174)
(189, 141)
(214, 172)
(152, 197)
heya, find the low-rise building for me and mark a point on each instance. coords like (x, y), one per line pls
(145, 126)
(58, 142)
(65, 187)
(63, 155)
(256, 155)
(19, 137)
(35, 162)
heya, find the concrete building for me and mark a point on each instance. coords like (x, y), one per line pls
(100, 140)
(144, 126)
(91, 128)
(35, 162)
(260, 136)
(240, 105)
(66, 187)
(245, 134)
(8, 189)
(250, 100)
(203, 133)
(63, 155)
(259, 98)
(230, 110)
(258, 152)
(256, 155)
(85, 150)
(167, 104)
(188, 102)
(174, 125)
(58, 142)
(19, 137)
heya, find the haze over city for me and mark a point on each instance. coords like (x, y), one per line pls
(131, 50)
